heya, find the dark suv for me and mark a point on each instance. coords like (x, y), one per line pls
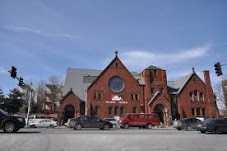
(91, 122)
(214, 126)
(10, 123)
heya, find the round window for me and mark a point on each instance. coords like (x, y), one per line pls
(116, 84)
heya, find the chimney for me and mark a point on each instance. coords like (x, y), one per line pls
(206, 75)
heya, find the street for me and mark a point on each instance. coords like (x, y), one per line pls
(63, 139)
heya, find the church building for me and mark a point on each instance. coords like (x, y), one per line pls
(115, 91)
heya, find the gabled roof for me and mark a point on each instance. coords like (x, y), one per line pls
(154, 67)
(79, 79)
(178, 85)
(115, 59)
(68, 94)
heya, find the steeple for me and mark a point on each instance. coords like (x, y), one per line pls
(116, 53)
(193, 70)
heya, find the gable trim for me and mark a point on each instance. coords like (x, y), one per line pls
(186, 82)
(68, 94)
(100, 75)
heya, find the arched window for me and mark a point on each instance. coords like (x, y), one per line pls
(201, 97)
(195, 95)
(191, 96)
(97, 110)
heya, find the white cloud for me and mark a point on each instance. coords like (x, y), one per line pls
(39, 32)
(3, 70)
(141, 58)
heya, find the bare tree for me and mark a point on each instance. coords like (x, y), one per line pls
(54, 86)
(49, 95)
(41, 95)
(1, 94)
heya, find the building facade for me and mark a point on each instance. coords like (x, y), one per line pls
(115, 91)
(193, 97)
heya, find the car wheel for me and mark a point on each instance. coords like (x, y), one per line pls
(179, 128)
(77, 127)
(33, 126)
(126, 126)
(149, 126)
(217, 130)
(9, 127)
(106, 127)
(51, 126)
(188, 128)
(202, 131)
(17, 129)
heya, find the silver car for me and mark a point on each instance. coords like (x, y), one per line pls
(42, 123)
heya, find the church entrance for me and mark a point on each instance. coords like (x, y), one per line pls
(69, 112)
(159, 109)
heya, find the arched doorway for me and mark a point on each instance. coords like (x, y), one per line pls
(159, 109)
(69, 112)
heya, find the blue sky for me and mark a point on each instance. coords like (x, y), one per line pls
(43, 37)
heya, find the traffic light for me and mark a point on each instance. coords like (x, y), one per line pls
(21, 82)
(13, 72)
(217, 67)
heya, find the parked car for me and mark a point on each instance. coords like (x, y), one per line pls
(10, 123)
(214, 126)
(114, 121)
(188, 124)
(145, 120)
(91, 122)
(41, 123)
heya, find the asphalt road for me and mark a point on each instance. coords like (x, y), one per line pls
(63, 139)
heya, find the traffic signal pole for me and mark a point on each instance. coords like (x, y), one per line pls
(218, 68)
(27, 87)
(30, 96)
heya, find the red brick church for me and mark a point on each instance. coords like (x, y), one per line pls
(115, 91)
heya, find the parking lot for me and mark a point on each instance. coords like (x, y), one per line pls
(64, 139)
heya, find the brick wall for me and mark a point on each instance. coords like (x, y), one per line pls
(131, 86)
(72, 100)
(197, 96)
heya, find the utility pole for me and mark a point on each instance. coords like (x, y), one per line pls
(23, 85)
(29, 100)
